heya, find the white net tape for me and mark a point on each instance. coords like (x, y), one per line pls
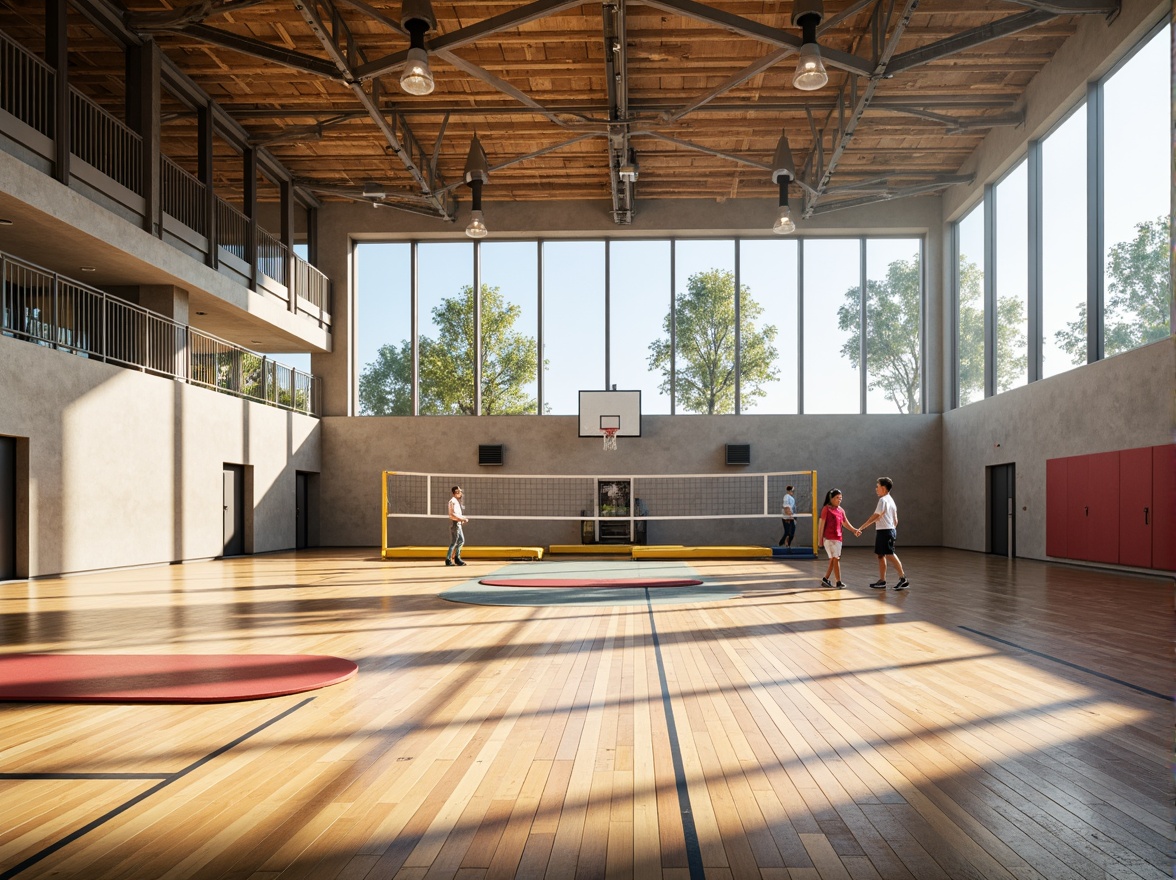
(610, 441)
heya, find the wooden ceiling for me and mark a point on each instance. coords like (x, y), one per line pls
(558, 93)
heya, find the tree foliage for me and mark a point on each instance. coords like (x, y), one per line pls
(1137, 299)
(509, 362)
(704, 325)
(1011, 336)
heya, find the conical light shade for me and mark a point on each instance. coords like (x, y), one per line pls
(417, 78)
(810, 72)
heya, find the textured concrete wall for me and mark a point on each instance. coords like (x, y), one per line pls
(1119, 403)
(850, 452)
(125, 469)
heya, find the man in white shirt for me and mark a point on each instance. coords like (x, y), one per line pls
(787, 509)
(456, 537)
(886, 517)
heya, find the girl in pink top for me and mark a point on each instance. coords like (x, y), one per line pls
(832, 519)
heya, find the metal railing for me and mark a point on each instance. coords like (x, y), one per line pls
(105, 142)
(26, 87)
(48, 309)
(312, 285)
(232, 230)
(183, 196)
(272, 257)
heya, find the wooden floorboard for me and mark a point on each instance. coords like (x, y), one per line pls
(994, 722)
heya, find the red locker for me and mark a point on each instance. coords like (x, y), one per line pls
(1055, 507)
(1164, 507)
(1078, 507)
(1135, 507)
(1102, 495)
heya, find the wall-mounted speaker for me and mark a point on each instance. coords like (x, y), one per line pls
(739, 453)
(490, 454)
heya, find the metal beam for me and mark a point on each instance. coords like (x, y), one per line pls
(616, 74)
(886, 196)
(743, 160)
(955, 124)
(517, 159)
(967, 40)
(474, 32)
(1072, 7)
(741, 77)
(256, 49)
(151, 22)
(309, 10)
(750, 28)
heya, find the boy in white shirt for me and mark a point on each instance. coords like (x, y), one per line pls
(886, 517)
(456, 537)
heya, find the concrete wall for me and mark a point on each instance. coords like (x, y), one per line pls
(125, 468)
(1122, 402)
(850, 452)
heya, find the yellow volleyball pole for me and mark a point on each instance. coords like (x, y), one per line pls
(815, 516)
(384, 509)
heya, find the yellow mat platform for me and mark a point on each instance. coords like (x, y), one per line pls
(679, 552)
(592, 549)
(467, 552)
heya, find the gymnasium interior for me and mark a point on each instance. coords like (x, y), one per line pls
(277, 275)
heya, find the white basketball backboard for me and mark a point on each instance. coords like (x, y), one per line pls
(606, 409)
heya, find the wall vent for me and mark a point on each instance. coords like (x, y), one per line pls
(490, 454)
(739, 453)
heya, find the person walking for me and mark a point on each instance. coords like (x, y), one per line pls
(456, 536)
(886, 533)
(829, 527)
(787, 514)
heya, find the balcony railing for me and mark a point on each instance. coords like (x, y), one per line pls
(27, 94)
(48, 309)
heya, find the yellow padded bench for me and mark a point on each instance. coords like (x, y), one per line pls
(679, 552)
(592, 549)
(467, 552)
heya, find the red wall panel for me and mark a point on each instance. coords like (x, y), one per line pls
(1102, 496)
(1078, 507)
(1056, 507)
(1164, 507)
(1135, 507)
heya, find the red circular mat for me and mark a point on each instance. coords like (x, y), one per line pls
(164, 678)
(590, 582)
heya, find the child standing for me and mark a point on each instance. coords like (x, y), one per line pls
(886, 517)
(832, 519)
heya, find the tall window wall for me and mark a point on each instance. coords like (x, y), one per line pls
(698, 326)
(1074, 242)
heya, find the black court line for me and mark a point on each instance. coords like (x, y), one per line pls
(1085, 669)
(689, 832)
(40, 776)
(122, 808)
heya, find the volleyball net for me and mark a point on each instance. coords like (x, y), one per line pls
(601, 500)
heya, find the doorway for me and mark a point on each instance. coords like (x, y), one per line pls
(234, 509)
(7, 508)
(305, 525)
(1002, 510)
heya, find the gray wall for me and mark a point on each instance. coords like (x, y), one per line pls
(850, 452)
(1122, 402)
(125, 469)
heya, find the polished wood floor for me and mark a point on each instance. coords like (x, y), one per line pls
(1000, 720)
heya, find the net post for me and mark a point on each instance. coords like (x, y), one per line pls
(384, 509)
(816, 514)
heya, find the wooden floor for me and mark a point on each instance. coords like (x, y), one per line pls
(1000, 720)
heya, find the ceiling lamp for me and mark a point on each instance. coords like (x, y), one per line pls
(417, 18)
(810, 72)
(783, 173)
(477, 172)
(629, 168)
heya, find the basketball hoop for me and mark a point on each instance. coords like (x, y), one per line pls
(610, 438)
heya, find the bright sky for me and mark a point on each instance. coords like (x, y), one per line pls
(1138, 152)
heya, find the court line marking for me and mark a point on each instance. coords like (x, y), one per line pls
(126, 805)
(40, 776)
(1085, 669)
(689, 831)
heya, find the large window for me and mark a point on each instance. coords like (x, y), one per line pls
(1063, 247)
(970, 306)
(639, 311)
(1012, 279)
(832, 278)
(573, 322)
(641, 336)
(767, 274)
(383, 337)
(894, 314)
(1136, 287)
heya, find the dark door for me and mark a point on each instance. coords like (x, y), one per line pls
(7, 508)
(1136, 510)
(234, 509)
(302, 510)
(1000, 506)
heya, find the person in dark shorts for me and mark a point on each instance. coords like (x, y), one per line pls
(885, 516)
